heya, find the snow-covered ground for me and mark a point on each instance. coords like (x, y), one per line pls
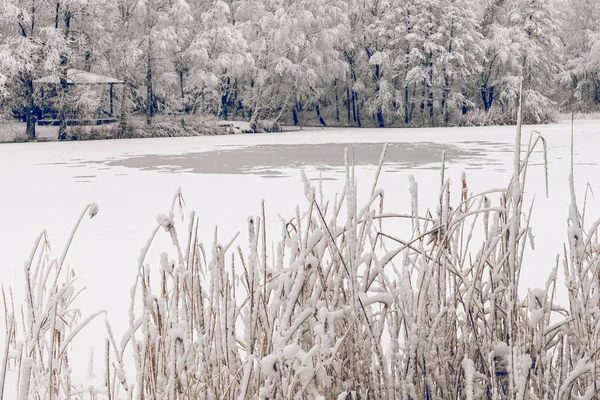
(224, 178)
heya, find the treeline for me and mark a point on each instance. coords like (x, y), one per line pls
(334, 62)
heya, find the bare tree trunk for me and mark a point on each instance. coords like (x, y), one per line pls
(122, 117)
(355, 114)
(64, 85)
(149, 93)
(406, 106)
(354, 105)
(295, 115)
(321, 120)
(356, 108)
(149, 58)
(57, 15)
(62, 113)
(380, 120)
(27, 80)
(337, 102)
(430, 86)
(412, 104)
(30, 121)
(181, 87)
(484, 98)
(348, 103)
(445, 94)
(225, 100)
(298, 107)
(29, 108)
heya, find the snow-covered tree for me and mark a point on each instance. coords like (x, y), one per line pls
(348, 62)
(218, 59)
(580, 34)
(295, 49)
(38, 42)
(520, 42)
(536, 32)
(161, 24)
(439, 52)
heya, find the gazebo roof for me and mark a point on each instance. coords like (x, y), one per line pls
(79, 77)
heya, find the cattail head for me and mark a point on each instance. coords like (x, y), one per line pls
(93, 210)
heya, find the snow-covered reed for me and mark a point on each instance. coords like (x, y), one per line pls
(340, 306)
(39, 331)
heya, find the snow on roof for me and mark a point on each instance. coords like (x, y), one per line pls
(77, 76)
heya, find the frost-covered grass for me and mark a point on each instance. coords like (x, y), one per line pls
(135, 127)
(341, 306)
(12, 131)
(582, 116)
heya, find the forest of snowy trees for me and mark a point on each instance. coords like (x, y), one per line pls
(335, 62)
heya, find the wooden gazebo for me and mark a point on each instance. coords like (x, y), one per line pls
(79, 77)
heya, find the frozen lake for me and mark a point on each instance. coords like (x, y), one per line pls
(224, 179)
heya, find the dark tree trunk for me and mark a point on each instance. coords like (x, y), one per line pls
(446, 94)
(27, 80)
(149, 64)
(62, 113)
(354, 106)
(300, 110)
(355, 113)
(295, 116)
(110, 90)
(430, 105)
(407, 112)
(484, 99)
(235, 103)
(321, 120)
(412, 104)
(30, 120)
(182, 94)
(337, 103)
(380, 120)
(32, 16)
(225, 100)
(444, 104)
(57, 15)
(123, 120)
(406, 106)
(68, 16)
(29, 109)
(64, 86)
(430, 86)
(149, 92)
(487, 97)
(87, 61)
(348, 103)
